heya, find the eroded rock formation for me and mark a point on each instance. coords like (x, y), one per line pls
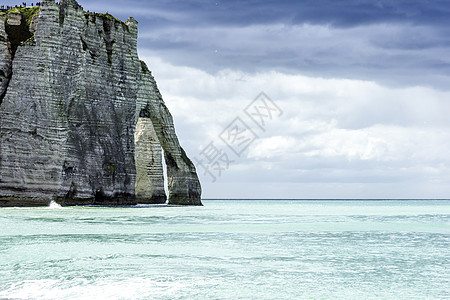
(72, 94)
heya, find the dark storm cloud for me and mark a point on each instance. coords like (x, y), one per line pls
(392, 42)
(337, 13)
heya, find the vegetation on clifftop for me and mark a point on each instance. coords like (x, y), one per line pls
(19, 34)
(27, 13)
(105, 16)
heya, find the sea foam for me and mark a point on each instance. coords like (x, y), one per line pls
(54, 205)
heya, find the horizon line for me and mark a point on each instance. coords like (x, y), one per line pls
(331, 199)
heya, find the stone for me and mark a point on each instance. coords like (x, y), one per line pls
(149, 168)
(14, 19)
(82, 121)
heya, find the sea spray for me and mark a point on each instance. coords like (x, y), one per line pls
(54, 205)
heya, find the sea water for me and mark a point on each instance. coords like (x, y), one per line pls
(228, 250)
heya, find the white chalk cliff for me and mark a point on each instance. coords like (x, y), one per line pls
(82, 121)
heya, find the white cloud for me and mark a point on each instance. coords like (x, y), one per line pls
(334, 132)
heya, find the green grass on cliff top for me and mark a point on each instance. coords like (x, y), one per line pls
(27, 13)
(105, 16)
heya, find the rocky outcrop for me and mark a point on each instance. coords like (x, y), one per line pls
(182, 178)
(82, 121)
(149, 169)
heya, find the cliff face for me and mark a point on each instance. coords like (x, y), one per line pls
(81, 118)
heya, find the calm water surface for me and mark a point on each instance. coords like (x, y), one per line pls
(229, 250)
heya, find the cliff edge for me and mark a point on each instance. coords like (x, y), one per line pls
(82, 121)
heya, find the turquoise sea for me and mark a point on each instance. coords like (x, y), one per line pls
(239, 249)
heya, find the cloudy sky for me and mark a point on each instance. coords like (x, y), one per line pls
(362, 87)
